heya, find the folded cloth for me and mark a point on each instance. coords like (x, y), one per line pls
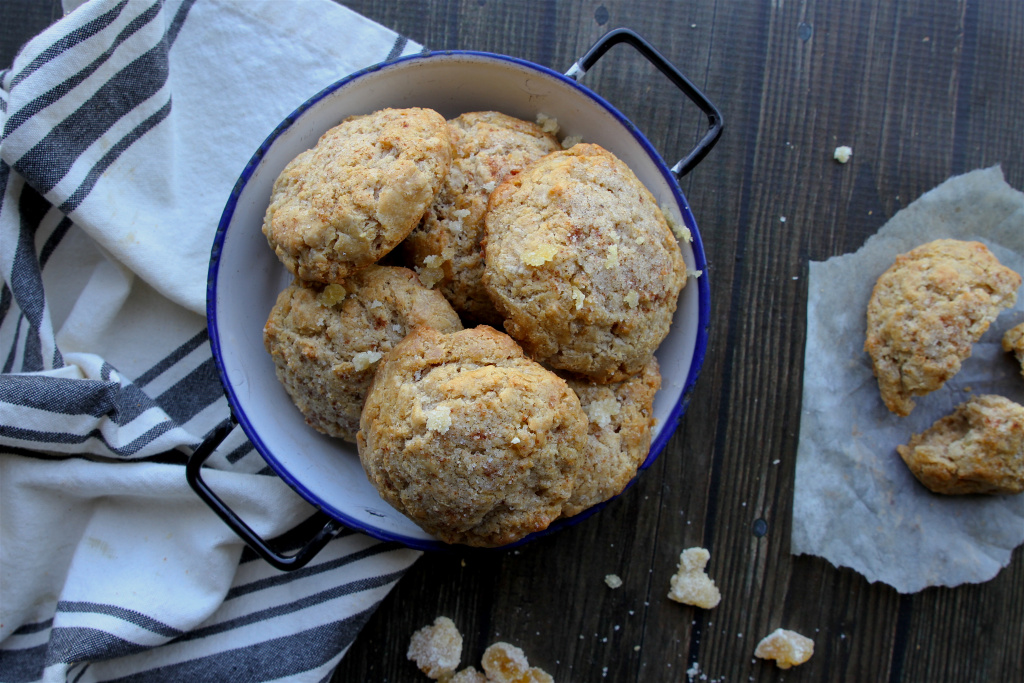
(124, 127)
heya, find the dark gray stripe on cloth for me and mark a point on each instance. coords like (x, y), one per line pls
(25, 278)
(56, 93)
(172, 358)
(310, 570)
(107, 160)
(122, 403)
(68, 41)
(396, 49)
(35, 627)
(131, 616)
(53, 156)
(68, 439)
(196, 391)
(265, 661)
(77, 643)
(21, 666)
(54, 240)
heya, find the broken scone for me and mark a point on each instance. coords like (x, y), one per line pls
(1013, 342)
(690, 585)
(927, 310)
(787, 648)
(979, 448)
(506, 663)
(469, 438)
(436, 649)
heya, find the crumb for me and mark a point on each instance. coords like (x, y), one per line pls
(461, 213)
(433, 261)
(439, 419)
(787, 648)
(695, 273)
(613, 581)
(548, 124)
(571, 140)
(365, 359)
(681, 232)
(602, 411)
(515, 439)
(539, 255)
(505, 663)
(430, 276)
(842, 154)
(436, 649)
(333, 294)
(690, 585)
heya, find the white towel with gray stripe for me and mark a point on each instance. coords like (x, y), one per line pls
(124, 127)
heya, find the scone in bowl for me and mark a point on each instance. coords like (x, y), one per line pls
(245, 276)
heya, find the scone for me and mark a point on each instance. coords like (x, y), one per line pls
(470, 439)
(352, 198)
(325, 340)
(1013, 342)
(979, 448)
(446, 247)
(621, 417)
(927, 310)
(582, 264)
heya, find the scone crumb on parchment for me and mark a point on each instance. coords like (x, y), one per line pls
(690, 585)
(436, 649)
(787, 648)
(613, 581)
(506, 663)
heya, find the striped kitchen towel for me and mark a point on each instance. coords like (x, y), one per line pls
(122, 130)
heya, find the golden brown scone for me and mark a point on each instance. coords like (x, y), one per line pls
(1013, 342)
(621, 416)
(470, 439)
(580, 261)
(351, 199)
(927, 310)
(979, 448)
(325, 340)
(446, 246)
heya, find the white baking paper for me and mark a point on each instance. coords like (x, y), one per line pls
(855, 503)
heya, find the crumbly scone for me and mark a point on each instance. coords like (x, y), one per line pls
(436, 649)
(352, 198)
(978, 448)
(1013, 342)
(446, 246)
(621, 416)
(787, 648)
(927, 310)
(326, 339)
(582, 264)
(469, 438)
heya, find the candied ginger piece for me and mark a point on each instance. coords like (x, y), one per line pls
(506, 663)
(690, 585)
(365, 359)
(539, 255)
(333, 294)
(468, 675)
(439, 419)
(436, 649)
(787, 648)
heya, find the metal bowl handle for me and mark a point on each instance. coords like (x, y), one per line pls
(625, 35)
(328, 527)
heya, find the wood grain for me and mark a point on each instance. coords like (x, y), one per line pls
(921, 92)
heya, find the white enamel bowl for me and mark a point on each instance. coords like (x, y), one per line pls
(245, 276)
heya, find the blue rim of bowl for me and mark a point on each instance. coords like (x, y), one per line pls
(703, 296)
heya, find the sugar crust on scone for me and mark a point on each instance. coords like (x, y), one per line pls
(446, 247)
(927, 310)
(469, 438)
(325, 339)
(358, 193)
(978, 448)
(582, 264)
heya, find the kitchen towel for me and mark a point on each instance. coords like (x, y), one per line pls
(123, 128)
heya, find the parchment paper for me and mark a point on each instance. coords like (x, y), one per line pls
(855, 503)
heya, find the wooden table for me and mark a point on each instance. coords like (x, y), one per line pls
(920, 91)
